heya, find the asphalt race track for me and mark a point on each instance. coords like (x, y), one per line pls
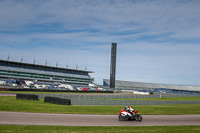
(21, 118)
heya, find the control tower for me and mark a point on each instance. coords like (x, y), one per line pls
(113, 65)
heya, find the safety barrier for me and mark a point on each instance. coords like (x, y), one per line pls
(27, 96)
(57, 100)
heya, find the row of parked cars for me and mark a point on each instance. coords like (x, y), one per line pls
(58, 86)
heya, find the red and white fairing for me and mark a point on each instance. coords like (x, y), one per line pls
(124, 113)
(129, 114)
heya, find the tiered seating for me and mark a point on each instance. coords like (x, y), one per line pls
(32, 73)
(141, 85)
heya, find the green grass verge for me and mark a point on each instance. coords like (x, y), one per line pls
(9, 103)
(92, 129)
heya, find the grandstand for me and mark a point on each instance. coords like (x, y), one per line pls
(17, 71)
(154, 87)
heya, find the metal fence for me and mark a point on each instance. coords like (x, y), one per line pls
(128, 102)
(92, 99)
(104, 96)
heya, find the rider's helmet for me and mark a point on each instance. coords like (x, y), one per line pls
(126, 107)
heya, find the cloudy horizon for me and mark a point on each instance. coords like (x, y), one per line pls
(158, 41)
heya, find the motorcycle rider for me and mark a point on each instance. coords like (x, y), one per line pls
(129, 109)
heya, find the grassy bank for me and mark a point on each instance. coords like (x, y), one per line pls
(9, 103)
(91, 129)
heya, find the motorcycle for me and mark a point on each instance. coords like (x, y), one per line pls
(129, 115)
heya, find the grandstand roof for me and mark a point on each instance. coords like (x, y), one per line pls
(142, 85)
(41, 66)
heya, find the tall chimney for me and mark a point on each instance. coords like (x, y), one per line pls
(113, 65)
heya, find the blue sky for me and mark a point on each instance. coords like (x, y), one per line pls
(158, 41)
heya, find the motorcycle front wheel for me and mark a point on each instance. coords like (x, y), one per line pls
(138, 118)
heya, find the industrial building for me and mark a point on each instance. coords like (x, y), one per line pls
(153, 87)
(18, 71)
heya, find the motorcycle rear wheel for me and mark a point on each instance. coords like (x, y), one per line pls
(122, 118)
